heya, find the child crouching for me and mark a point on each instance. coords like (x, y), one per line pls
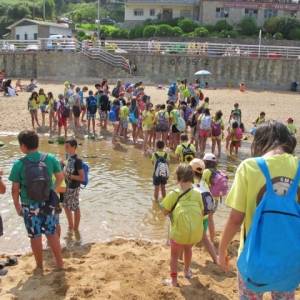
(186, 214)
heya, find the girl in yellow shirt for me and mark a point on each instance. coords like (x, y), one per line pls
(148, 121)
(43, 105)
(33, 106)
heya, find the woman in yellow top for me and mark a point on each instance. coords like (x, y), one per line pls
(217, 129)
(185, 207)
(276, 145)
(148, 121)
(43, 105)
(33, 106)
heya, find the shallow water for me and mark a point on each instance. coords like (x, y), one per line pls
(116, 203)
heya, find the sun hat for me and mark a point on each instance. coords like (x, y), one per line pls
(209, 157)
(197, 165)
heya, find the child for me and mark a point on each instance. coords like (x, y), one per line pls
(148, 125)
(204, 124)
(104, 108)
(63, 113)
(52, 112)
(198, 167)
(260, 120)
(186, 214)
(33, 106)
(291, 127)
(217, 129)
(43, 105)
(83, 102)
(124, 114)
(236, 136)
(162, 124)
(233, 118)
(160, 159)
(74, 175)
(236, 114)
(186, 151)
(91, 104)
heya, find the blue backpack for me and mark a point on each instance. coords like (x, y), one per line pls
(92, 105)
(86, 170)
(270, 260)
(112, 115)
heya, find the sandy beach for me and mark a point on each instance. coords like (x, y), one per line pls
(133, 269)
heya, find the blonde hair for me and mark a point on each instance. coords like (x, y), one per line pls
(185, 173)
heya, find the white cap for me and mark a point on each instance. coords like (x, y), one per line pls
(209, 157)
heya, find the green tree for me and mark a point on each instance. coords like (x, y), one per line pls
(272, 25)
(201, 32)
(294, 34)
(18, 11)
(187, 25)
(248, 26)
(177, 31)
(164, 30)
(149, 31)
(222, 25)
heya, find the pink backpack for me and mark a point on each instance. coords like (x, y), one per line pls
(219, 184)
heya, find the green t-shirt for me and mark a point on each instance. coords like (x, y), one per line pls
(17, 173)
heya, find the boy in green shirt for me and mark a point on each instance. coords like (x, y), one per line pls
(185, 151)
(39, 215)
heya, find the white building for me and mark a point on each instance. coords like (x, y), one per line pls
(27, 29)
(140, 10)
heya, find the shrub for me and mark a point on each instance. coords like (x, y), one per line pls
(228, 34)
(136, 32)
(210, 28)
(278, 36)
(164, 30)
(177, 31)
(187, 25)
(248, 26)
(149, 31)
(201, 32)
(295, 34)
(120, 33)
(222, 25)
(272, 25)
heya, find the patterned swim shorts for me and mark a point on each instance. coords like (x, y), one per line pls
(39, 218)
(71, 199)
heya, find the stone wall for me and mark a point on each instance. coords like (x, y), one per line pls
(154, 68)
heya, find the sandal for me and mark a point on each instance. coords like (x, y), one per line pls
(188, 274)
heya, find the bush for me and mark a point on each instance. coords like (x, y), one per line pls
(278, 36)
(177, 31)
(187, 25)
(120, 33)
(248, 26)
(201, 32)
(81, 36)
(149, 31)
(136, 32)
(164, 30)
(285, 26)
(228, 34)
(295, 34)
(222, 25)
(272, 25)
(210, 28)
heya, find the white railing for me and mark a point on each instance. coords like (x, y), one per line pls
(204, 49)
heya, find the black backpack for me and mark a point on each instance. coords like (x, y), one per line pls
(37, 179)
(187, 153)
(116, 92)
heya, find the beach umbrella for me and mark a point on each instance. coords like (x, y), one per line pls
(203, 73)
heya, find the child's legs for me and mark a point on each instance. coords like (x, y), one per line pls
(176, 250)
(89, 124)
(43, 118)
(187, 257)
(156, 192)
(146, 137)
(236, 147)
(66, 130)
(36, 117)
(59, 130)
(213, 145)
(211, 227)
(177, 140)
(209, 247)
(94, 125)
(283, 295)
(219, 147)
(227, 141)
(53, 241)
(37, 250)
(77, 216)
(69, 216)
(246, 294)
(32, 118)
(163, 190)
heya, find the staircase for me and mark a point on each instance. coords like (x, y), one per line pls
(99, 53)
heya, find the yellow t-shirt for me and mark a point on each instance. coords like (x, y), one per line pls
(180, 148)
(124, 112)
(148, 119)
(42, 99)
(62, 185)
(187, 217)
(249, 185)
(206, 176)
(292, 128)
(160, 154)
(32, 104)
(174, 115)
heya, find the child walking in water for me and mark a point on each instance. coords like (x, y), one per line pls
(236, 136)
(160, 160)
(186, 214)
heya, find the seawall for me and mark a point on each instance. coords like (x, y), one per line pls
(261, 73)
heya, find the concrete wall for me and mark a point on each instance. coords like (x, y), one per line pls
(255, 72)
(30, 30)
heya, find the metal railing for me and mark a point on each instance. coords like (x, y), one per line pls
(204, 49)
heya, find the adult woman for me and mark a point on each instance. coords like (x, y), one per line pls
(33, 106)
(275, 145)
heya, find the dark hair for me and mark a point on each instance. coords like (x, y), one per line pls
(91, 93)
(272, 135)
(262, 113)
(219, 115)
(72, 142)
(184, 137)
(236, 105)
(34, 95)
(210, 164)
(235, 125)
(29, 138)
(160, 145)
(207, 112)
(185, 173)
(50, 95)
(163, 106)
(206, 99)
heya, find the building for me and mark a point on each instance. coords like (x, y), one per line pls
(235, 10)
(137, 11)
(27, 29)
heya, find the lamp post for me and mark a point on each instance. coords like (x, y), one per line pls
(44, 10)
(98, 19)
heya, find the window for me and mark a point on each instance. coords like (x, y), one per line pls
(251, 12)
(186, 13)
(152, 12)
(269, 13)
(138, 12)
(17, 36)
(25, 36)
(35, 36)
(222, 12)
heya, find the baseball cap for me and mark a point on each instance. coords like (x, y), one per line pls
(209, 157)
(197, 165)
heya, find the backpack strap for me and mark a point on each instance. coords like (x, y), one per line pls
(166, 156)
(156, 155)
(265, 170)
(43, 157)
(179, 197)
(294, 186)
